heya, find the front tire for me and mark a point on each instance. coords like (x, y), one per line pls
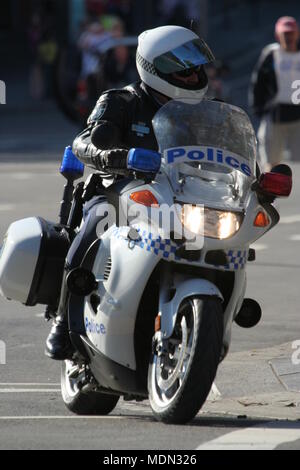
(180, 376)
(83, 402)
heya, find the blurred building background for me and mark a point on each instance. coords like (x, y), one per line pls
(53, 76)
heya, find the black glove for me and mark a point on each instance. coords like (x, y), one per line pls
(114, 160)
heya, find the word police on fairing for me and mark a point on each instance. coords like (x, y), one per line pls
(208, 155)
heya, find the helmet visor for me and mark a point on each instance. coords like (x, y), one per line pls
(188, 55)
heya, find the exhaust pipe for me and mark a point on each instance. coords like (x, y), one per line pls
(249, 314)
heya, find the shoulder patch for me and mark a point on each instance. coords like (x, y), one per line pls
(123, 93)
(98, 112)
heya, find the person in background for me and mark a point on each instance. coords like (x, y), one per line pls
(93, 42)
(117, 64)
(215, 86)
(43, 52)
(93, 38)
(47, 53)
(118, 68)
(271, 94)
(34, 36)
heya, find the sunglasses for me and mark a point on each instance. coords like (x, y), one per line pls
(190, 71)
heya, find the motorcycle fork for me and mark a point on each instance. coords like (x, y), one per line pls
(167, 288)
(166, 292)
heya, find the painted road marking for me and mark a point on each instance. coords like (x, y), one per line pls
(214, 394)
(30, 387)
(13, 388)
(22, 384)
(295, 238)
(28, 418)
(22, 176)
(7, 207)
(290, 219)
(261, 437)
(30, 390)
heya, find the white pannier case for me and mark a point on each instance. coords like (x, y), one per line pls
(31, 261)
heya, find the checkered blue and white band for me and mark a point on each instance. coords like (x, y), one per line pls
(166, 248)
(237, 259)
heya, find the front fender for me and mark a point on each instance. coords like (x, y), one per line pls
(184, 289)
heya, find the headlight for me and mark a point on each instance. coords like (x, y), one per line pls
(210, 222)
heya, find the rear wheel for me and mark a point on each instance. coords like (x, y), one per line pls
(79, 401)
(182, 372)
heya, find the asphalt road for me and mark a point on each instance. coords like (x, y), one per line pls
(253, 397)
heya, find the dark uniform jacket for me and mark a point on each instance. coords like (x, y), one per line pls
(121, 119)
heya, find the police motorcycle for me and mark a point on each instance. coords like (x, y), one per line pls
(151, 307)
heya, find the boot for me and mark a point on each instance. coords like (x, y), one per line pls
(58, 343)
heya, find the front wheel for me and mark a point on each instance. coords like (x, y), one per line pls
(79, 401)
(182, 371)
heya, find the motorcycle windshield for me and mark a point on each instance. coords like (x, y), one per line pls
(208, 152)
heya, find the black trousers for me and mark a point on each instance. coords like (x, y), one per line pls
(88, 233)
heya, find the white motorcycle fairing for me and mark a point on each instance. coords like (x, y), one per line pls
(111, 329)
(119, 300)
(184, 289)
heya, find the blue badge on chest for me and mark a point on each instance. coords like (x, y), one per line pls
(141, 129)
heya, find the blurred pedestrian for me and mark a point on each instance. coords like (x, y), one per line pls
(117, 63)
(90, 43)
(271, 94)
(215, 86)
(98, 37)
(47, 53)
(118, 67)
(34, 36)
(43, 52)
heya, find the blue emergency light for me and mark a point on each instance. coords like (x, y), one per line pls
(71, 167)
(143, 160)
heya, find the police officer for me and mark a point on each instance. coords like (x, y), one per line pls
(170, 62)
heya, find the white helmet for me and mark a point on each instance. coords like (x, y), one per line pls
(167, 50)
